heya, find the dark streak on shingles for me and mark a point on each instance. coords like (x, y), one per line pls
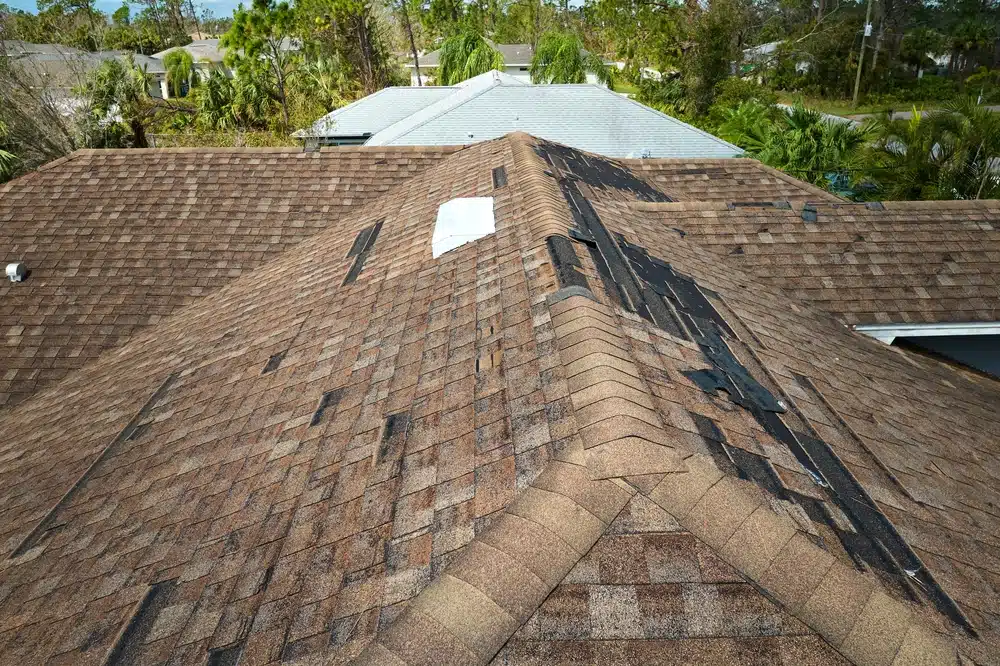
(130, 432)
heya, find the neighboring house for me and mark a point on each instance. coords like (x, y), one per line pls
(585, 116)
(625, 412)
(60, 68)
(208, 55)
(516, 59)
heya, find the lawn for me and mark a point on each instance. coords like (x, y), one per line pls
(624, 87)
(843, 107)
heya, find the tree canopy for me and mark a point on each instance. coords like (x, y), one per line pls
(464, 55)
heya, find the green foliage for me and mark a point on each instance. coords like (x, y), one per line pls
(947, 154)
(715, 36)
(465, 55)
(800, 142)
(180, 66)
(561, 58)
(258, 48)
(118, 105)
(8, 161)
(638, 32)
(445, 17)
(240, 103)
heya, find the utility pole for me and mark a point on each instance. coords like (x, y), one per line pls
(861, 57)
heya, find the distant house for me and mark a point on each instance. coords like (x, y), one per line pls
(516, 58)
(61, 68)
(208, 54)
(584, 116)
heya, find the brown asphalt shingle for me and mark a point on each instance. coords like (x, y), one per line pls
(117, 240)
(897, 262)
(445, 506)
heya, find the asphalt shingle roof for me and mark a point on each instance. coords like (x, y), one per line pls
(508, 454)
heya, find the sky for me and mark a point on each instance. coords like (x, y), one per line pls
(219, 7)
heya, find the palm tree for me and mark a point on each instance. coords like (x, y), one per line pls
(561, 58)
(226, 103)
(465, 55)
(7, 160)
(953, 153)
(800, 141)
(973, 135)
(118, 96)
(179, 65)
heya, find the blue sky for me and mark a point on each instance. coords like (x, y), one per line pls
(219, 7)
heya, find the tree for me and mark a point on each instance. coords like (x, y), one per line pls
(259, 44)
(715, 44)
(118, 104)
(800, 142)
(465, 55)
(241, 103)
(180, 66)
(8, 161)
(947, 154)
(353, 31)
(641, 33)
(561, 58)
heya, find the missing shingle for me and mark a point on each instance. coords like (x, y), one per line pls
(274, 362)
(128, 648)
(226, 656)
(874, 205)
(809, 213)
(360, 250)
(390, 449)
(499, 177)
(733, 205)
(326, 401)
(566, 262)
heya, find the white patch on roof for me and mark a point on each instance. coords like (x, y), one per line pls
(462, 221)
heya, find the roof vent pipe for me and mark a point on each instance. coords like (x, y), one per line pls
(16, 272)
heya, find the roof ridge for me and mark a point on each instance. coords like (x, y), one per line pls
(852, 613)
(549, 214)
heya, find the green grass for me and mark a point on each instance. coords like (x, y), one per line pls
(624, 87)
(843, 107)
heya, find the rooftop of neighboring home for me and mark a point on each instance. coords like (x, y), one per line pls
(209, 50)
(585, 116)
(200, 49)
(318, 422)
(64, 67)
(514, 55)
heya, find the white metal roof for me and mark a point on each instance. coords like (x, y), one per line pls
(588, 117)
(584, 116)
(371, 114)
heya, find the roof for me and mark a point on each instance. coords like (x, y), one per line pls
(586, 116)
(68, 70)
(200, 49)
(183, 223)
(377, 111)
(891, 262)
(516, 452)
(514, 55)
(16, 47)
